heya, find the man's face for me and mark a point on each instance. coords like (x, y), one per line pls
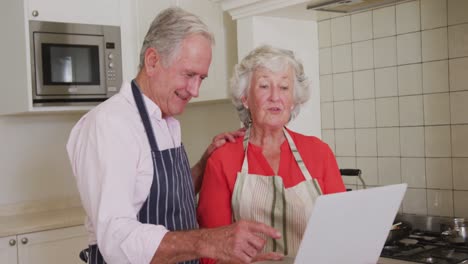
(172, 86)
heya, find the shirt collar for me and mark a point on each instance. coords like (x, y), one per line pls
(153, 109)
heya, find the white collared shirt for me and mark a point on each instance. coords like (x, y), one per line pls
(111, 160)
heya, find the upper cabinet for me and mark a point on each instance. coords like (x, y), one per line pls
(224, 52)
(215, 87)
(100, 12)
(19, 70)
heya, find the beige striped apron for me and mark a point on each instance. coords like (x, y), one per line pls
(265, 199)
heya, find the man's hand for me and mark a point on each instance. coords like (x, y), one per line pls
(219, 140)
(240, 242)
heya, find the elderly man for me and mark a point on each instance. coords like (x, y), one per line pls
(132, 171)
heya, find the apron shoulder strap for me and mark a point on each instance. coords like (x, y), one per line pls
(300, 162)
(245, 163)
(140, 103)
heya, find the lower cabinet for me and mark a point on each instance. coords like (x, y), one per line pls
(8, 250)
(52, 246)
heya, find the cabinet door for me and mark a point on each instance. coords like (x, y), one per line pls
(147, 10)
(215, 86)
(52, 246)
(105, 12)
(8, 250)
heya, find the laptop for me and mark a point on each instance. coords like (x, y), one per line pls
(349, 227)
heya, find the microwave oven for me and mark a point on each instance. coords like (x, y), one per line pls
(74, 63)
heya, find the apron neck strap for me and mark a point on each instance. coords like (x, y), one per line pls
(140, 103)
(245, 163)
(297, 156)
(292, 146)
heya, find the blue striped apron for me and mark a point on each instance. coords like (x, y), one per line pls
(171, 201)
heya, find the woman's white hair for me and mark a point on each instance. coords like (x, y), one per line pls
(168, 30)
(274, 59)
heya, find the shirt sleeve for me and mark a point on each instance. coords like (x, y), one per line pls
(333, 182)
(104, 157)
(214, 206)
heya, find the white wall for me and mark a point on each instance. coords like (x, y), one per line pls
(34, 165)
(131, 44)
(395, 100)
(299, 36)
(201, 122)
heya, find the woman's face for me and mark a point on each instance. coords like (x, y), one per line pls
(270, 97)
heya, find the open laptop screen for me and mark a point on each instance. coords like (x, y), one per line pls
(349, 227)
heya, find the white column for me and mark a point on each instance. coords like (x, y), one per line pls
(299, 36)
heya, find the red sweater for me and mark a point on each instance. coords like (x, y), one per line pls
(214, 207)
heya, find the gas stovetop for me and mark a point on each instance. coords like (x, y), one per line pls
(426, 247)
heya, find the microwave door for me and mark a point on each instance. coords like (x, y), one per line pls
(68, 64)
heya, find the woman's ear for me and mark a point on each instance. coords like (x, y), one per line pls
(244, 102)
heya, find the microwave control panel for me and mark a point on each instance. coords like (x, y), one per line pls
(113, 60)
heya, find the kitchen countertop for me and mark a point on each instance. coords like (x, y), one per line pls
(34, 222)
(380, 261)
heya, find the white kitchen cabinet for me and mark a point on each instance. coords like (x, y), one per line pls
(52, 246)
(216, 85)
(134, 18)
(146, 11)
(55, 246)
(15, 66)
(8, 250)
(223, 28)
(102, 12)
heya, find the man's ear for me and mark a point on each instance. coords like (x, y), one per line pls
(152, 61)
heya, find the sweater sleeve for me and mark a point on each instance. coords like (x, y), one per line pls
(214, 206)
(333, 182)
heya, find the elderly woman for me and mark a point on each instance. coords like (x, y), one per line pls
(273, 175)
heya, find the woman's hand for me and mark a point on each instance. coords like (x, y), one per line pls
(268, 256)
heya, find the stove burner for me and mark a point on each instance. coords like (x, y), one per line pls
(426, 247)
(429, 260)
(391, 247)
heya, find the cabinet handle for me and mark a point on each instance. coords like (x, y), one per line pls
(12, 242)
(35, 13)
(24, 240)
